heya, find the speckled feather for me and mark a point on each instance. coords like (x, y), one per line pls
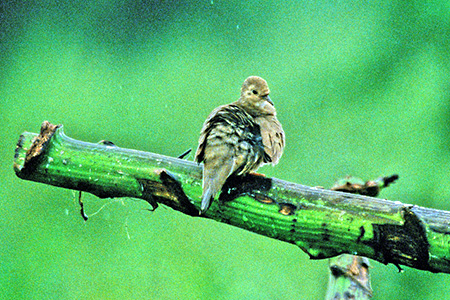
(238, 138)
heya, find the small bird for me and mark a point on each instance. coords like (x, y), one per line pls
(238, 138)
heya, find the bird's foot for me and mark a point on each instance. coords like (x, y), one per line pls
(257, 174)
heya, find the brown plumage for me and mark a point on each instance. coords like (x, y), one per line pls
(238, 138)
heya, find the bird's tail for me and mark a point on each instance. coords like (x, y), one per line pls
(207, 198)
(213, 180)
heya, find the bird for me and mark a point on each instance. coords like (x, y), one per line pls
(238, 138)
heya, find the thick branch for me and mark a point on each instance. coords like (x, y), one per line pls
(323, 223)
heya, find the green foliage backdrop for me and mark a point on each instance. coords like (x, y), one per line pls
(362, 88)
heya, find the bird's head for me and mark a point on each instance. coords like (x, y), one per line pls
(255, 97)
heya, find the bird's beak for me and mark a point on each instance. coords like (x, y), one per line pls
(268, 99)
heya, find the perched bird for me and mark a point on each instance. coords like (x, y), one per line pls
(238, 138)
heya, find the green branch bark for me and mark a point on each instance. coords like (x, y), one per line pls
(321, 222)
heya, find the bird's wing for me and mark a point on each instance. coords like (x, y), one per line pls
(206, 130)
(272, 136)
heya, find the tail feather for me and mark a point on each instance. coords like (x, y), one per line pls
(214, 178)
(207, 198)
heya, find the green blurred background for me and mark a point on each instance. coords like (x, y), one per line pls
(361, 89)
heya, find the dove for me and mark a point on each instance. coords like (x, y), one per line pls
(238, 138)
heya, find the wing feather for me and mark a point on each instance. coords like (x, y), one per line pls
(272, 136)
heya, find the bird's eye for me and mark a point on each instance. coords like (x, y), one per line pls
(255, 92)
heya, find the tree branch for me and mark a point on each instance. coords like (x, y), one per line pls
(321, 222)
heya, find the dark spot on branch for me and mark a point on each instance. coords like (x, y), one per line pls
(405, 244)
(287, 209)
(254, 185)
(321, 255)
(169, 192)
(326, 235)
(362, 231)
(263, 199)
(107, 143)
(249, 184)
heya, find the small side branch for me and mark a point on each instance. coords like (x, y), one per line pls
(321, 222)
(349, 278)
